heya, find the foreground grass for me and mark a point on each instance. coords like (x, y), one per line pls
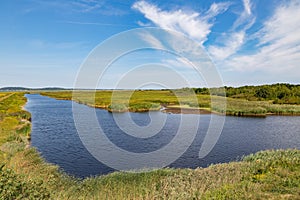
(25, 175)
(153, 100)
(265, 175)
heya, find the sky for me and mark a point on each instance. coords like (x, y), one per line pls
(251, 42)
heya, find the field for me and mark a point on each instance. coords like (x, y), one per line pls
(25, 175)
(139, 101)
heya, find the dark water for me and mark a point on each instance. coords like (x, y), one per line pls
(55, 136)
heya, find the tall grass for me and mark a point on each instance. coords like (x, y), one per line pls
(140, 101)
(261, 108)
(265, 175)
(14, 125)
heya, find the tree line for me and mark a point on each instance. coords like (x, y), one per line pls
(280, 93)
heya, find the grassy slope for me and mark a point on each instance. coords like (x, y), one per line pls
(14, 125)
(24, 174)
(144, 100)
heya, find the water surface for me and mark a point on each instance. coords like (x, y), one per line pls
(55, 136)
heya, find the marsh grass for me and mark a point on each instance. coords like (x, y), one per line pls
(13, 120)
(145, 100)
(241, 107)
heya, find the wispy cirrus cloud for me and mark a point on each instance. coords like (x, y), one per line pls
(142, 24)
(279, 44)
(94, 23)
(198, 25)
(194, 24)
(247, 5)
(178, 62)
(233, 40)
(152, 40)
(215, 9)
(86, 5)
(79, 6)
(230, 45)
(42, 44)
(273, 48)
(83, 6)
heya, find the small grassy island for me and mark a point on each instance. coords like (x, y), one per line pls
(271, 174)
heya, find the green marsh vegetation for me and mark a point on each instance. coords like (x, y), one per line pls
(277, 99)
(127, 100)
(25, 175)
(14, 125)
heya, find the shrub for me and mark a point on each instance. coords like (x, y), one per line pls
(12, 186)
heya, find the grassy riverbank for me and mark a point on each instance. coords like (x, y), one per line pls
(140, 101)
(14, 124)
(25, 175)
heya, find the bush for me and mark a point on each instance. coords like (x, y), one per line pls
(12, 186)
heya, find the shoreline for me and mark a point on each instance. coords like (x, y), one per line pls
(177, 110)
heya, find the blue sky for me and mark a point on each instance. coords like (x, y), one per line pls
(44, 42)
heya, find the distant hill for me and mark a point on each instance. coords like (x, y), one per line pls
(30, 89)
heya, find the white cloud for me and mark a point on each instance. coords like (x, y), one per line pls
(217, 8)
(283, 24)
(246, 18)
(78, 6)
(178, 62)
(231, 46)
(247, 6)
(86, 5)
(195, 25)
(152, 40)
(93, 23)
(41, 44)
(143, 24)
(234, 40)
(278, 48)
(279, 44)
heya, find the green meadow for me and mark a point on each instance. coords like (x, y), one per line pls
(145, 100)
(273, 174)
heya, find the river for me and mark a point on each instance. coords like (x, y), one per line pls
(55, 136)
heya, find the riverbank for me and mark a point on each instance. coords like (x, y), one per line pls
(24, 174)
(182, 102)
